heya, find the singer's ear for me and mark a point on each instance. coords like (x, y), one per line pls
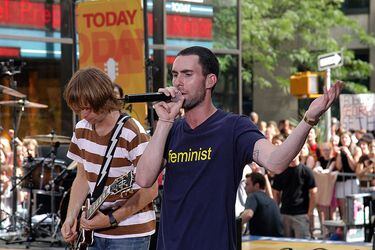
(211, 80)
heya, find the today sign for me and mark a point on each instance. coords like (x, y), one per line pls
(330, 60)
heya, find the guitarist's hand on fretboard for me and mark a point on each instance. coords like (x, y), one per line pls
(99, 220)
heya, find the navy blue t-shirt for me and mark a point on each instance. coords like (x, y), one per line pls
(203, 170)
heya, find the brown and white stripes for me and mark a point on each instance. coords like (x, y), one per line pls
(88, 148)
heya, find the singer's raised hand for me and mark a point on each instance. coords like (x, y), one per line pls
(168, 111)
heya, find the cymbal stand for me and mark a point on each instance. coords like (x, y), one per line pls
(55, 220)
(31, 235)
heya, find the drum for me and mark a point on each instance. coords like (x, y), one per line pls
(39, 172)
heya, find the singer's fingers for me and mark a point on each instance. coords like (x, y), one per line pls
(165, 106)
(169, 91)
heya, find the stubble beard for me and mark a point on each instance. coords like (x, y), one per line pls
(195, 101)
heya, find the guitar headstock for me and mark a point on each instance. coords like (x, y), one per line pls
(123, 183)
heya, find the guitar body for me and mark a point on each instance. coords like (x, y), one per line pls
(86, 241)
(86, 237)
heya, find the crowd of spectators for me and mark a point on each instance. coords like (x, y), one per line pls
(24, 149)
(316, 183)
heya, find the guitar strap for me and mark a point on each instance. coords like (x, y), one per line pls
(108, 156)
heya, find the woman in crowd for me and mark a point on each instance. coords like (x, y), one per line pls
(306, 158)
(366, 164)
(347, 159)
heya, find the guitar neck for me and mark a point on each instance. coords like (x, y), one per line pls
(95, 206)
(121, 184)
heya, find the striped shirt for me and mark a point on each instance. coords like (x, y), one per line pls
(88, 148)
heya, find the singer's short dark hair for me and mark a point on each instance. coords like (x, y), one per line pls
(91, 88)
(207, 59)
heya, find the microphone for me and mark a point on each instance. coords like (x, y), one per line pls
(147, 97)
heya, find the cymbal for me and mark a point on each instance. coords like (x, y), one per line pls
(23, 103)
(10, 91)
(50, 138)
(72, 165)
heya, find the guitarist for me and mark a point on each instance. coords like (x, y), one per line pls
(124, 221)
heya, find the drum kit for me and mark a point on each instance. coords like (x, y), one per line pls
(40, 175)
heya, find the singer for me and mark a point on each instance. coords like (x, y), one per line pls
(198, 205)
(128, 221)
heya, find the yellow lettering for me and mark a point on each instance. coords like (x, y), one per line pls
(209, 153)
(172, 156)
(182, 157)
(204, 155)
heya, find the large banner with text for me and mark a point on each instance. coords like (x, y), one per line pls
(111, 37)
(357, 111)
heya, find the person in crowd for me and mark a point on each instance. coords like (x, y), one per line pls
(295, 189)
(204, 153)
(358, 134)
(313, 144)
(4, 143)
(261, 212)
(126, 220)
(306, 158)
(269, 134)
(365, 165)
(273, 127)
(284, 127)
(263, 127)
(335, 141)
(364, 143)
(325, 181)
(278, 140)
(346, 162)
(254, 117)
(119, 92)
(335, 127)
(327, 158)
(241, 195)
(30, 147)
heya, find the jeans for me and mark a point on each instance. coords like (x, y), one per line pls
(138, 243)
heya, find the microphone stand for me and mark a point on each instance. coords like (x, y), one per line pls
(16, 123)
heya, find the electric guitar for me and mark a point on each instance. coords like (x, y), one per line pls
(122, 184)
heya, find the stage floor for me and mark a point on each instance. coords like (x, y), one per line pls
(270, 243)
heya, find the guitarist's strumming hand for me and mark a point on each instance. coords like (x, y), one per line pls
(68, 230)
(100, 220)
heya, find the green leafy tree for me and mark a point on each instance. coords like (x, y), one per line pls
(291, 34)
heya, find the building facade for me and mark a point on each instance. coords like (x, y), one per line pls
(37, 43)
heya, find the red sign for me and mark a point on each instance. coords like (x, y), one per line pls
(29, 14)
(185, 27)
(10, 52)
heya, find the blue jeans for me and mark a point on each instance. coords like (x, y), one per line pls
(138, 243)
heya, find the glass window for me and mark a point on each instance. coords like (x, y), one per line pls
(207, 23)
(356, 6)
(30, 18)
(39, 80)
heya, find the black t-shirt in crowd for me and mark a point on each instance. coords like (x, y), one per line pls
(294, 183)
(325, 163)
(266, 220)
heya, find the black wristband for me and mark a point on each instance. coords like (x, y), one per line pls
(112, 219)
